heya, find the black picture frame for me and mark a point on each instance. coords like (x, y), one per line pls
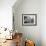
(29, 19)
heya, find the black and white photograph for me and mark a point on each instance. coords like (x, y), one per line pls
(29, 19)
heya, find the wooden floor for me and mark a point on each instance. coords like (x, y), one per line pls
(9, 43)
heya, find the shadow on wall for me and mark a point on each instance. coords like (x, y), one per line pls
(17, 4)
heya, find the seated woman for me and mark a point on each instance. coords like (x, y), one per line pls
(18, 39)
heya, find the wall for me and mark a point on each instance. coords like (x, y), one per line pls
(28, 7)
(6, 13)
(6, 17)
(43, 22)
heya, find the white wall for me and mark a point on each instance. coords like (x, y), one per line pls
(43, 22)
(28, 7)
(6, 13)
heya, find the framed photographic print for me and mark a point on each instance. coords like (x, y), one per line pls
(29, 19)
